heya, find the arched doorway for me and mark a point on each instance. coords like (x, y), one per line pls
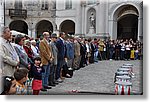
(126, 18)
(127, 27)
(68, 26)
(43, 26)
(19, 25)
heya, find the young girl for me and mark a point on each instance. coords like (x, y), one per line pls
(37, 71)
(132, 56)
(9, 86)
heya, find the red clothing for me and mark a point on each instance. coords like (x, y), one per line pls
(28, 51)
(37, 84)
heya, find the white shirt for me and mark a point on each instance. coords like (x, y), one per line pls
(127, 47)
(35, 50)
(62, 39)
(87, 48)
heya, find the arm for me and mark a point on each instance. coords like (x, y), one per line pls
(22, 61)
(7, 59)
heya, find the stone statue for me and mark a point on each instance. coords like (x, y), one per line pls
(92, 20)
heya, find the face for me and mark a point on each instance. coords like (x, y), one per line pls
(12, 88)
(25, 78)
(46, 36)
(64, 35)
(22, 41)
(7, 34)
(37, 62)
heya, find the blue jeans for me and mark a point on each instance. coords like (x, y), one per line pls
(136, 56)
(45, 75)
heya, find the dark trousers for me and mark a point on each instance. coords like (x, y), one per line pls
(128, 52)
(82, 62)
(122, 55)
(58, 69)
(117, 54)
(52, 74)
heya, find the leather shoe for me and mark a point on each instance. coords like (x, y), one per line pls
(47, 87)
(56, 83)
(52, 84)
(43, 89)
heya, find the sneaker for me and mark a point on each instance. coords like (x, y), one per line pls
(59, 80)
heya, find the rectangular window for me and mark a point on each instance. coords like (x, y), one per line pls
(68, 4)
(18, 4)
(90, 2)
(44, 5)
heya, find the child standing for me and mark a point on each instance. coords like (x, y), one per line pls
(132, 54)
(21, 76)
(37, 71)
(136, 53)
(9, 86)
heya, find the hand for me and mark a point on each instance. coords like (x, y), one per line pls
(29, 66)
(18, 63)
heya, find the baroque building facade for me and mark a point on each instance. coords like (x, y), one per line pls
(114, 19)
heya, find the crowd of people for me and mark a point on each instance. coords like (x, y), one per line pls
(46, 62)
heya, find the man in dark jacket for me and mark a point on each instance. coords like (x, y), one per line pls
(61, 54)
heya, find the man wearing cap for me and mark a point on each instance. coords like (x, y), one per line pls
(52, 44)
(46, 58)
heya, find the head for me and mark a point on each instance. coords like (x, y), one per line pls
(37, 61)
(27, 42)
(6, 34)
(33, 42)
(19, 39)
(9, 85)
(46, 35)
(21, 75)
(62, 35)
(54, 37)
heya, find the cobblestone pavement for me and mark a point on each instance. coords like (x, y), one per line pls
(98, 78)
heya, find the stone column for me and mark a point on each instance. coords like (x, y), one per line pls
(78, 23)
(114, 35)
(29, 32)
(101, 19)
(140, 29)
(111, 28)
(1, 14)
(83, 20)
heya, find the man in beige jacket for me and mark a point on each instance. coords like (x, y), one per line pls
(46, 59)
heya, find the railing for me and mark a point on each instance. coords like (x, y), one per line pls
(20, 13)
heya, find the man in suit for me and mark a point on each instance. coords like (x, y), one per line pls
(10, 59)
(77, 58)
(52, 44)
(46, 59)
(61, 55)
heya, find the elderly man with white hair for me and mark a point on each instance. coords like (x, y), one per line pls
(9, 57)
(34, 48)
